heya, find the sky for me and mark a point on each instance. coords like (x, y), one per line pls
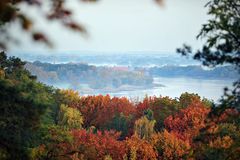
(124, 25)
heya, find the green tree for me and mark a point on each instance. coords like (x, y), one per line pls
(121, 123)
(54, 144)
(23, 102)
(149, 114)
(188, 98)
(163, 107)
(222, 43)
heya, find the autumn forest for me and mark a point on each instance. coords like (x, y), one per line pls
(39, 121)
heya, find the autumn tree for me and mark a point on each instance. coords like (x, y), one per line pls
(138, 148)
(70, 117)
(169, 146)
(68, 97)
(143, 106)
(98, 145)
(61, 97)
(161, 107)
(220, 138)
(187, 123)
(144, 127)
(94, 109)
(99, 110)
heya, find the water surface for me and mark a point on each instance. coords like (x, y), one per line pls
(173, 87)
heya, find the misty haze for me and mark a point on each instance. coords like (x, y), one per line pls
(119, 79)
(131, 74)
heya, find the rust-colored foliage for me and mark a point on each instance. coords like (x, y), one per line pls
(97, 145)
(99, 110)
(187, 123)
(169, 146)
(142, 106)
(139, 149)
(220, 139)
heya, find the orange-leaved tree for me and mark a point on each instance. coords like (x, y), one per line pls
(99, 110)
(169, 146)
(139, 149)
(89, 145)
(187, 123)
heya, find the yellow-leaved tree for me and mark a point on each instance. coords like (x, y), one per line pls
(144, 127)
(70, 117)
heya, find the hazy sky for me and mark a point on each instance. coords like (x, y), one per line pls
(126, 25)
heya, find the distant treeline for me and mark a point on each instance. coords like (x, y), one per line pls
(226, 72)
(95, 77)
(100, 77)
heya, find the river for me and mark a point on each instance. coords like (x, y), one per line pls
(174, 87)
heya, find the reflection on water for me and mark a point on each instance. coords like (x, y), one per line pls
(211, 89)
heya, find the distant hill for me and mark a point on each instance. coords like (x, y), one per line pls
(193, 71)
